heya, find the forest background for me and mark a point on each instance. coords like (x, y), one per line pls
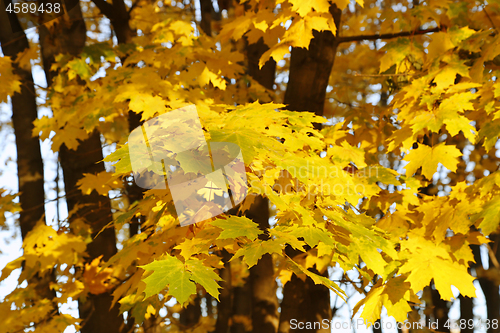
(396, 100)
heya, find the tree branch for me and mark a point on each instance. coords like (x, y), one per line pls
(386, 36)
(133, 6)
(105, 7)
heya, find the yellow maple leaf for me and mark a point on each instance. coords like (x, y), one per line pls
(305, 7)
(9, 82)
(103, 182)
(97, 280)
(431, 261)
(277, 53)
(429, 157)
(70, 137)
(148, 104)
(440, 43)
(394, 296)
(208, 76)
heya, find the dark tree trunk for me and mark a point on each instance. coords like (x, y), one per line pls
(242, 306)
(24, 113)
(29, 158)
(224, 307)
(377, 328)
(440, 312)
(262, 281)
(310, 71)
(207, 11)
(118, 13)
(306, 90)
(466, 312)
(190, 315)
(466, 303)
(489, 285)
(95, 311)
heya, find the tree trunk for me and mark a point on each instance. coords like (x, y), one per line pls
(466, 312)
(466, 303)
(224, 307)
(190, 315)
(306, 90)
(440, 310)
(96, 311)
(262, 281)
(310, 71)
(119, 16)
(29, 158)
(24, 113)
(242, 306)
(490, 288)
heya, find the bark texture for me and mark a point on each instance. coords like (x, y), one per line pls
(98, 316)
(262, 280)
(29, 157)
(24, 113)
(306, 90)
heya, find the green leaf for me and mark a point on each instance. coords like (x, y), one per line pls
(490, 132)
(313, 235)
(78, 67)
(205, 276)
(122, 158)
(235, 226)
(171, 272)
(180, 277)
(490, 216)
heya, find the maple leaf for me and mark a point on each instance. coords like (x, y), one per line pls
(178, 277)
(397, 51)
(102, 182)
(305, 7)
(97, 280)
(312, 235)
(431, 261)
(318, 279)
(192, 246)
(169, 272)
(489, 217)
(79, 67)
(394, 296)
(147, 104)
(253, 252)
(9, 82)
(44, 246)
(205, 276)
(277, 52)
(237, 226)
(70, 138)
(346, 153)
(429, 157)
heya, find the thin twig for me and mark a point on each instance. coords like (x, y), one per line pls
(382, 75)
(348, 39)
(489, 19)
(133, 6)
(493, 258)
